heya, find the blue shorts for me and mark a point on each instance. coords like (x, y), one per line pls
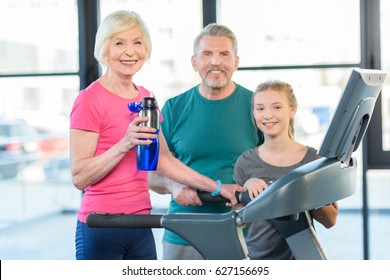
(114, 243)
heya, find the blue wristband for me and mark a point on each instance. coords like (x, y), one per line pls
(216, 192)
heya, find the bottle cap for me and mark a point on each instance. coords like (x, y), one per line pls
(149, 102)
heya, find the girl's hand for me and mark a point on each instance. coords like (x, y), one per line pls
(255, 186)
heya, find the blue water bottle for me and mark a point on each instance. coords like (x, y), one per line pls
(147, 155)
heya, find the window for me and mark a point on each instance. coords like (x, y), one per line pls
(40, 37)
(276, 33)
(39, 82)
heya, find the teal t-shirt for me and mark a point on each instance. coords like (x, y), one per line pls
(208, 136)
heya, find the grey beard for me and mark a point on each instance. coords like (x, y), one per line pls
(216, 85)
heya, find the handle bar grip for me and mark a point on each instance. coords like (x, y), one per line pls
(243, 198)
(97, 220)
(207, 197)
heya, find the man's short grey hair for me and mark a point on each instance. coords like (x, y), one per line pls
(214, 29)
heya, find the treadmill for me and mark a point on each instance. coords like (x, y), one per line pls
(288, 200)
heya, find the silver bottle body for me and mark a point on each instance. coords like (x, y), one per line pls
(153, 114)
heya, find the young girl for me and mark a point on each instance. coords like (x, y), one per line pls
(274, 108)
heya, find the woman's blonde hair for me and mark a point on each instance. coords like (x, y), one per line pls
(116, 23)
(287, 91)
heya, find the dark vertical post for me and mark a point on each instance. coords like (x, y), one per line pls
(88, 22)
(370, 59)
(209, 11)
